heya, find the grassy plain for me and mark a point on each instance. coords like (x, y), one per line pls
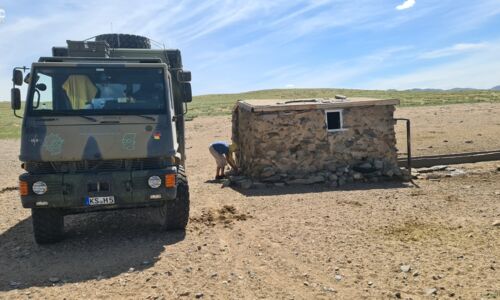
(221, 104)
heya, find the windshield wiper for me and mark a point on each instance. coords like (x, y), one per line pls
(147, 117)
(88, 118)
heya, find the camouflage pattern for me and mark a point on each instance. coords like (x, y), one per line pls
(73, 138)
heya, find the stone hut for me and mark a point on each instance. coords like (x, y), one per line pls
(316, 140)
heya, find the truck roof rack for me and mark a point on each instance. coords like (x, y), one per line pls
(100, 59)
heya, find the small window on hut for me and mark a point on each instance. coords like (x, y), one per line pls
(334, 120)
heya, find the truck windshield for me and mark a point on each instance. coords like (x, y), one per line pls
(97, 91)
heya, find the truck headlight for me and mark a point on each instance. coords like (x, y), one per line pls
(154, 182)
(39, 187)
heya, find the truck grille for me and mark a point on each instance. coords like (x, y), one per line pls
(96, 165)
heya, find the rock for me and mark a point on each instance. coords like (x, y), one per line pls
(271, 153)
(54, 279)
(333, 177)
(328, 289)
(236, 178)
(397, 295)
(279, 184)
(338, 277)
(198, 295)
(469, 142)
(433, 176)
(432, 169)
(306, 181)
(245, 184)
(389, 173)
(274, 178)
(415, 274)
(496, 223)
(357, 176)
(226, 183)
(184, 294)
(214, 275)
(431, 291)
(457, 172)
(378, 164)
(365, 165)
(258, 185)
(268, 172)
(14, 284)
(370, 283)
(342, 170)
(306, 283)
(405, 268)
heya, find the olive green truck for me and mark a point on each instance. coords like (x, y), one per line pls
(103, 129)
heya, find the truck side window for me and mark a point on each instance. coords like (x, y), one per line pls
(170, 94)
(42, 99)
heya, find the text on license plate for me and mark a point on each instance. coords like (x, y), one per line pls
(100, 200)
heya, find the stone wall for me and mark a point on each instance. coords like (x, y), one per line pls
(295, 147)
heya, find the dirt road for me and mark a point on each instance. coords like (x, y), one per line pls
(381, 241)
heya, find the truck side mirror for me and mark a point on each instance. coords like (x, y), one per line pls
(15, 98)
(17, 77)
(183, 76)
(186, 92)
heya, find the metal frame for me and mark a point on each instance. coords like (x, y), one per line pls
(341, 112)
(408, 141)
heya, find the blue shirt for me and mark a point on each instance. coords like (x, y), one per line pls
(221, 147)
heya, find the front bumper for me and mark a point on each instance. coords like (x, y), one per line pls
(70, 190)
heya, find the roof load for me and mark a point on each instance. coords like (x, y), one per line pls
(88, 49)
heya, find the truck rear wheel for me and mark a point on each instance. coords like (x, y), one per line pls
(48, 225)
(175, 213)
(116, 40)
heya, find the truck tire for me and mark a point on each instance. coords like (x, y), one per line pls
(48, 225)
(116, 40)
(175, 213)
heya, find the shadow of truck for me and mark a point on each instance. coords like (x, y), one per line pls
(99, 245)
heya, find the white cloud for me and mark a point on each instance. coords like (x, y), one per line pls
(405, 5)
(469, 71)
(453, 50)
(290, 86)
(2, 14)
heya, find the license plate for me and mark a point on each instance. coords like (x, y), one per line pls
(91, 201)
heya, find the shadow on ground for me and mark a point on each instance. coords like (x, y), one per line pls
(319, 188)
(97, 245)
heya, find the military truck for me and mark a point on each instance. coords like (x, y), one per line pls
(103, 129)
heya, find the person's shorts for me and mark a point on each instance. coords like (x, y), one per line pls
(219, 158)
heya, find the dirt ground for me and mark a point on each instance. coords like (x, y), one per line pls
(450, 129)
(383, 241)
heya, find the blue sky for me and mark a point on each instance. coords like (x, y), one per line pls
(239, 45)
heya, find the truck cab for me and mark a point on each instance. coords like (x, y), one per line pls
(103, 129)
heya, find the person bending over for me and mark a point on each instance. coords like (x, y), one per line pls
(223, 154)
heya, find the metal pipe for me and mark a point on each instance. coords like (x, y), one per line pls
(408, 141)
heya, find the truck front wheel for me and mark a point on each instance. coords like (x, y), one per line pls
(48, 225)
(175, 213)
